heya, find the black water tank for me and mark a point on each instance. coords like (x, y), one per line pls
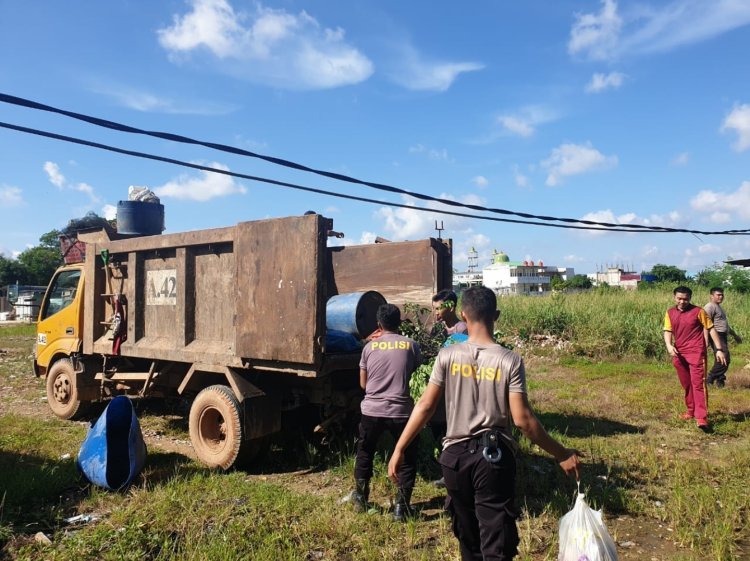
(140, 218)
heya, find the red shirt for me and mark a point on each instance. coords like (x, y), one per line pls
(687, 328)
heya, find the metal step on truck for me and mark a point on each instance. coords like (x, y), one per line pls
(233, 319)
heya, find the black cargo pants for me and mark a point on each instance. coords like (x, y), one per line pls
(370, 430)
(719, 371)
(480, 500)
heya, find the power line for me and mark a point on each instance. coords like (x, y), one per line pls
(278, 183)
(14, 100)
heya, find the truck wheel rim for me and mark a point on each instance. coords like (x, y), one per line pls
(213, 429)
(62, 389)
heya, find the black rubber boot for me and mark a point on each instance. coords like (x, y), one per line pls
(361, 495)
(403, 509)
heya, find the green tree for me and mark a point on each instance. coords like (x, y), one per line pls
(579, 282)
(11, 272)
(556, 283)
(668, 273)
(50, 240)
(725, 276)
(39, 264)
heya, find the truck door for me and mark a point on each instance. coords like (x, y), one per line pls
(61, 316)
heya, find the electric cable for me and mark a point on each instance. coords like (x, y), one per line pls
(278, 183)
(112, 125)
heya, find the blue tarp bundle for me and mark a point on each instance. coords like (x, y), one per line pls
(455, 339)
(341, 342)
(114, 452)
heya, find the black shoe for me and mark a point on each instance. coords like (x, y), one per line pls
(403, 511)
(360, 495)
(719, 383)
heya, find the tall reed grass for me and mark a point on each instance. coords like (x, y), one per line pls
(607, 323)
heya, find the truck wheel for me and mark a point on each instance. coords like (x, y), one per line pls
(62, 392)
(216, 427)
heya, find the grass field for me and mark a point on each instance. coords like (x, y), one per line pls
(668, 491)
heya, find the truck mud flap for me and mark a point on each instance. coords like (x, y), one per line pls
(262, 416)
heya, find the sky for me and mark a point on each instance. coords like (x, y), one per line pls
(622, 111)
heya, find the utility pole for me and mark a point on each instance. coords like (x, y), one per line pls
(439, 228)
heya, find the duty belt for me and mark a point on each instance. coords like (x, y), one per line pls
(490, 442)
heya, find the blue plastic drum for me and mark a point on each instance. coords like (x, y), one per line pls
(354, 312)
(114, 452)
(140, 218)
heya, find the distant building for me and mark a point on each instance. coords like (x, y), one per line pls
(521, 277)
(466, 279)
(617, 276)
(21, 301)
(472, 276)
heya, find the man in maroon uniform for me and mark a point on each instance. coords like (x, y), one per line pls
(385, 368)
(686, 332)
(485, 387)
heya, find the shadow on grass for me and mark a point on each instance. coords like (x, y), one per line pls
(162, 466)
(36, 491)
(541, 485)
(580, 426)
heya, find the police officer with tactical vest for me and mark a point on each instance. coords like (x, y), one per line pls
(485, 388)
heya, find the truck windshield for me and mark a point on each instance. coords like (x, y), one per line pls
(62, 293)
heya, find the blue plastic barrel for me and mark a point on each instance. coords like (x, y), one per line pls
(114, 452)
(354, 312)
(140, 218)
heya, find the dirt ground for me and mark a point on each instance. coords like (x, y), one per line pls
(21, 393)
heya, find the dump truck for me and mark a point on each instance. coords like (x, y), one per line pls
(232, 319)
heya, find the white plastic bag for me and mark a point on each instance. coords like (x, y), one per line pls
(583, 535)
(143, 194)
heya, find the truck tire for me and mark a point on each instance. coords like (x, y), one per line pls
(62, 391)
(216, 428)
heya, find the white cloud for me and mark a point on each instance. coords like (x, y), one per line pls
(596, 35)
(720, 217)
(410, 223)
(708, 248)
(109, 212)
(53, 173)
(56, 177)
(681, 159)
(573, 159)
(480, 181)
(739, 121)
(10, 196)
(524, 121)
(516, 125)
(150, 103)
(437, 154)
(722, 207)
(669, 220)
(367, 237)
(266, 46)
(85, 188)
(643, 29)
(470, 240)
(206, 186)
(572, 258)
(413, 72)
(600, 82)
(520, 179)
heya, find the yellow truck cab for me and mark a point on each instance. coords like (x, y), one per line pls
(59, 336)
